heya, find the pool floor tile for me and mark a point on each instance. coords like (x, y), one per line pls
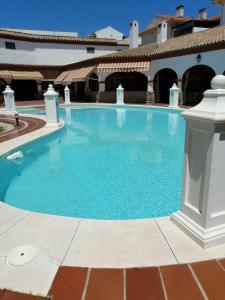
(144, 284)
(180, 284)
(69, 283)
(212, 278)
(105, 284)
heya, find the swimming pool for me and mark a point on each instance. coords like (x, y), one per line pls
(106, 163)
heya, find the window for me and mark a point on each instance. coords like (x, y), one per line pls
(90, 50)
(10, 45)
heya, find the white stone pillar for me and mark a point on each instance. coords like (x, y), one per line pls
(67, 95)
(202, 215)
(9, 98)
(51, 106)
(101, 86)
(120, 95)
(174, 96)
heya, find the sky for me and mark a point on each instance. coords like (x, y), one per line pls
(87, 16)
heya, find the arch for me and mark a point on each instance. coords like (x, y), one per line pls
(196, 80)
(2, 85)
(2, 88)
(131, 81)
(25, 89)
(163, 81)
(93, 82)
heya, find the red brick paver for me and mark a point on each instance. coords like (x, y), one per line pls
(212, 278)
(197, 281)
(69, 283)
(105, 284)
(144, 284)
(33, 124)
(179, 283)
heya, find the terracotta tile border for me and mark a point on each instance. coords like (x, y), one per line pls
(203, 280)
(28, 124)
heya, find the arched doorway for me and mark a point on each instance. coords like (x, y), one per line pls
(25, 89)
(2, 88)
(132, 81)
(195, 82)
(163, 81)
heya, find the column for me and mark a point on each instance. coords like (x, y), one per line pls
(202, 215)
(9, 99)
(101, 90)
(174, 96)
(150, 92)
(67, 95)
(51, 106)
(120, 95)
(179, 85)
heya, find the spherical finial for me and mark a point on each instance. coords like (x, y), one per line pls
(218, 82)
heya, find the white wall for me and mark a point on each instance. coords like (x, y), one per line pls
(149, 37)
(213, 59)
(197, 29)
(50, 53)
(109, 33)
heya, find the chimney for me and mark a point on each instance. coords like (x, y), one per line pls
(203, 14)
(180, 11)
(222, 3)
(134, 34)
(162, 32)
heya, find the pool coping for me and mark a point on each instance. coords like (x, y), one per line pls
(64, 241)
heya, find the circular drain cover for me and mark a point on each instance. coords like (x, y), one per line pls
(21, 255)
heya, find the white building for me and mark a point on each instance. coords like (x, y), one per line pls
(29, 57)
(109, 33)
(94, 68)
(164, 27)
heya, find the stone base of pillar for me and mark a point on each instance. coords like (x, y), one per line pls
(150, 97)
(206, 238)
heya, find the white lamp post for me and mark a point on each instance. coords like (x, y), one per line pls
(174, 96)
(51, 105)
(120, 95)
(9, 98)
(67, 95)
(202, 215)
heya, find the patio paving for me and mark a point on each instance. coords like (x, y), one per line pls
(196, 281)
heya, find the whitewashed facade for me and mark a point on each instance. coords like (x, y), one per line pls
(45, 53)
(109, 33)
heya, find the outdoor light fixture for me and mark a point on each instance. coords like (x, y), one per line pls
(17, 119)
(198, 58)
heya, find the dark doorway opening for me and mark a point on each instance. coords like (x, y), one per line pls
(25, 89)
(133, 81)
(196, 81)
(163, 81)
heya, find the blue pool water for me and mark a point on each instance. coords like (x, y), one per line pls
(107, 163)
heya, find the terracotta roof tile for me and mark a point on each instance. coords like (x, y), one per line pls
(207, 39)
(58, 39)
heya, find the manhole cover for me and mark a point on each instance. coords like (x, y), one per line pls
(21, 255)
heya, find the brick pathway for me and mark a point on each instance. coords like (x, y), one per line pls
(27, 125)
(196, 281)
